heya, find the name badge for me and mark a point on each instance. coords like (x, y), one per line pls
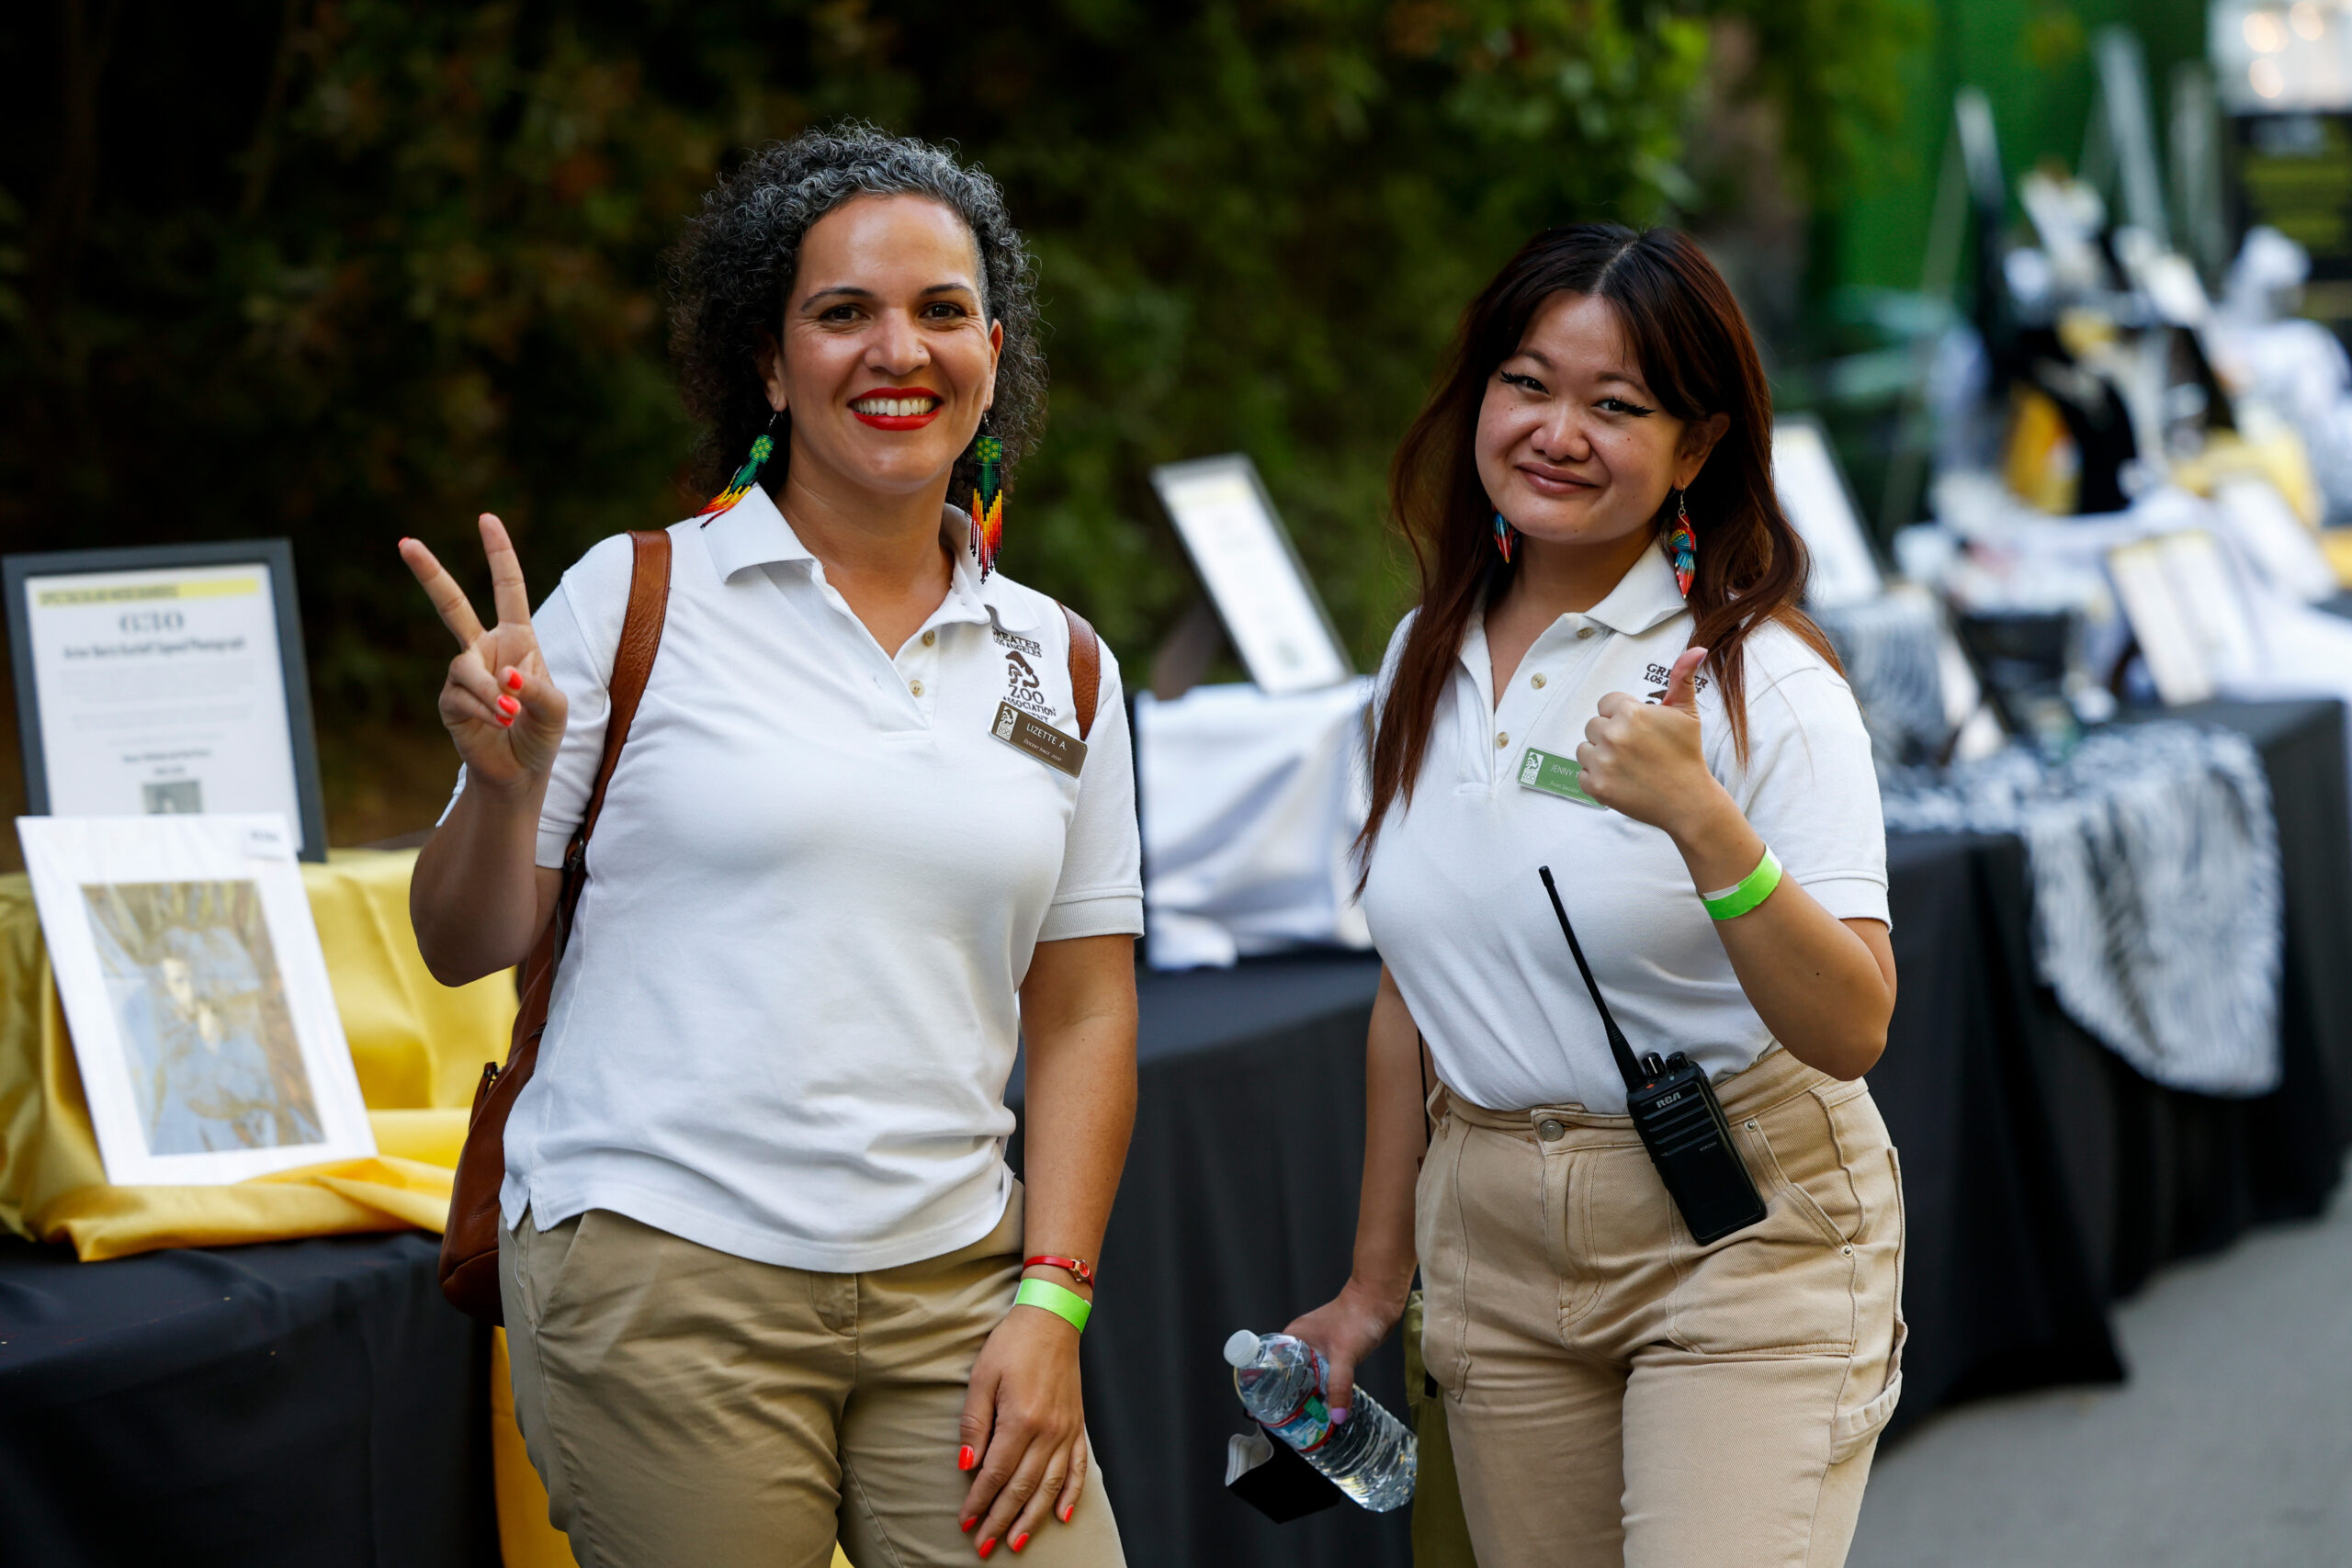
(1028, 732)
(1554, 775)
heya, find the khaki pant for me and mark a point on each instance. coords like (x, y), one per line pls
(691, 1409)
(1617, 1394)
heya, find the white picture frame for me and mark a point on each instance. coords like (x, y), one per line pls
(196, 994)
(1253, 576)
(2187, 613)
(1811, 490)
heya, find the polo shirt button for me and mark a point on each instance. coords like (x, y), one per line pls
(930, 638)
(915, 686)
(1551, 1130)
(1583, 632)
(1501, 741)
(1536, 681)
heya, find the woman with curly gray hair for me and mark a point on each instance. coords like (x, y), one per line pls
(767, 1280)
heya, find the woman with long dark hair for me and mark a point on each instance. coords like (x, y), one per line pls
(1608, 674)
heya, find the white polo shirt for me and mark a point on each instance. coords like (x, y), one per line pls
(1461, 919)
(789, 1008)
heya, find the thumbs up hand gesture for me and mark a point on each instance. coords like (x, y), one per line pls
(1644, 759)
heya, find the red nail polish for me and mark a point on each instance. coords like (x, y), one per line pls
(964, 1458)
(506, 721)
(1067, 1509)
(514, 679)
(985, 1547)
(509, 706)
(970, 1522)
(1020, 1541)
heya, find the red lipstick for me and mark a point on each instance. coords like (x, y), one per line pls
(901, 395)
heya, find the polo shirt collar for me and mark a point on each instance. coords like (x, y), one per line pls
(753, 533)
(1646, 597)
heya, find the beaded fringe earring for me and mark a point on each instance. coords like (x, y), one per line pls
(1505, 537)
(746, 476)
(1682, 547)
(988, 504)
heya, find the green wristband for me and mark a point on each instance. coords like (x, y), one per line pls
(1066, 1304)
(1752, 890)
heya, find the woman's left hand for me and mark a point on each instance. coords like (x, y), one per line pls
(1644, 759)
(1024, 1427)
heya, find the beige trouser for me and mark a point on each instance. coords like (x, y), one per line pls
(692, 1409)
(1617, 1394)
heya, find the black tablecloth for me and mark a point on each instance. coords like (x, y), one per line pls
(300, 1402)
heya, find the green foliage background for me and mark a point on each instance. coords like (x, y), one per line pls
(350, 269)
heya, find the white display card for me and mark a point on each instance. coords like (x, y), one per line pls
(1245, 559)
(162, 691)
(196, 994)
(1813, 492)
(2186, 613)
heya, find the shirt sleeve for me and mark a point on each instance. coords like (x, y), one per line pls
(1810, 788)
(579, 631)
(1100, 892)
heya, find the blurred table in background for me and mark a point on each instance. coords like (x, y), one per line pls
(2043, 1177)
(295, 1403)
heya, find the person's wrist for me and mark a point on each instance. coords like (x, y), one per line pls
(1384, 1299)
(1054, 1276)
(1705, 821)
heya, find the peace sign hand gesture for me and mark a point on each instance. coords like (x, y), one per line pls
(500, 707)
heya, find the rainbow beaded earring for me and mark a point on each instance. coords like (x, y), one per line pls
(988, 504)
(1682, 547)
(1505, 537)
(748, 475)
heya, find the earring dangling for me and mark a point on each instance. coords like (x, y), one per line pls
(988, 505)
(748, 475)
(1682, 547)
(1505, 536)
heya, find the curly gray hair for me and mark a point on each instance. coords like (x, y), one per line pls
(736, 262)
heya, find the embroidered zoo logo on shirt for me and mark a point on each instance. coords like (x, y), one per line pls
(1659, 675)
(1022, 687)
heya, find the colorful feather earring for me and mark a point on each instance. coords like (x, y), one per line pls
(1682, 547)
(748, 475)
(988, 504)
(1505, 537)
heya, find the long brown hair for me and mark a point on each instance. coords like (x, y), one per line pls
(1699, 361)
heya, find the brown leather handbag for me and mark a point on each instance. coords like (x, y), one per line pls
(469, 1243)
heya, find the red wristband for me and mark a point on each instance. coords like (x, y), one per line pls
(1077, 1268)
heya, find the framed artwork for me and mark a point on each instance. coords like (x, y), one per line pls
(1239, 545)
(2184, 604)
(164, 681)
(1813, 492)
(197, 993)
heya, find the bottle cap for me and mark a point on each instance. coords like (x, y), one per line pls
(1241, 1350)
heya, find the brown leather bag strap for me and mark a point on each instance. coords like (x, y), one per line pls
(648, 606)
(1085, 670)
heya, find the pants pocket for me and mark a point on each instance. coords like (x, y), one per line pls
(1445, 1260)
(1856, 1427)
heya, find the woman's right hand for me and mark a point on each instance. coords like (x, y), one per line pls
(500, 707)
(1347, 1328)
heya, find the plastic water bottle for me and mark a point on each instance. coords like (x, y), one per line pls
(1283, 1383)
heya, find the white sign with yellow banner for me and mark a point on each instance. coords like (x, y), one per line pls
(162, 690)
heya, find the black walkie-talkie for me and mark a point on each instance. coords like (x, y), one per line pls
(1680, 1120)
